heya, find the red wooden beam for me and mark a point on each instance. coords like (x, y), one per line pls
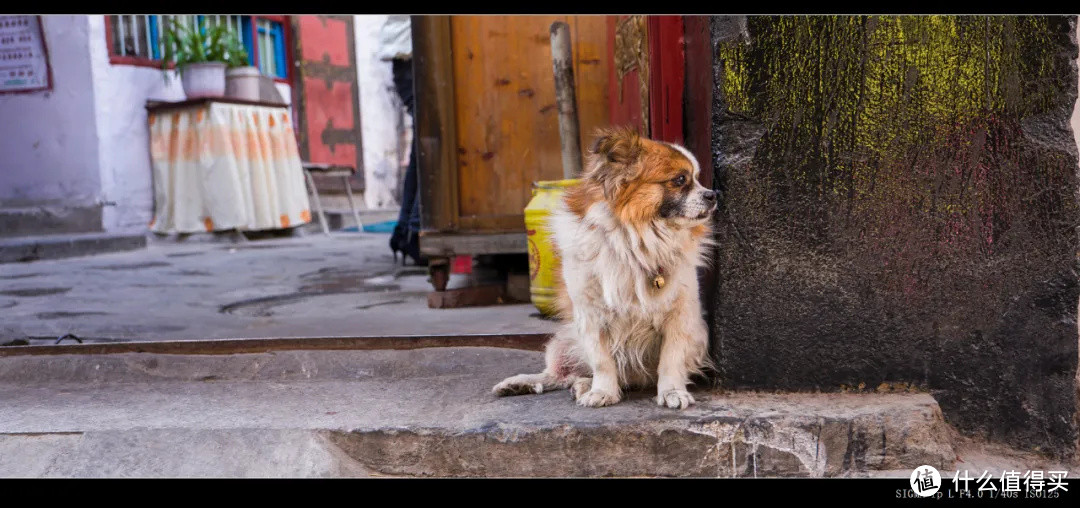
(667, 74)
(697, 117)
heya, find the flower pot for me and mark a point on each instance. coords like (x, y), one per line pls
(203, 80)
(242, 83)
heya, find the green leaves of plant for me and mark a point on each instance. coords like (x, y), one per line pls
(187, 45)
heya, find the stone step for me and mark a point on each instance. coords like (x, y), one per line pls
(34, 248)
(423, 412)
(48, 220)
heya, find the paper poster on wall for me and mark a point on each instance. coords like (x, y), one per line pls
(24, 63)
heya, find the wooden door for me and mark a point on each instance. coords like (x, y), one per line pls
(325, 95)
(506, 121)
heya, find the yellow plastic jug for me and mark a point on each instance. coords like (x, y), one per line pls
(544, 263)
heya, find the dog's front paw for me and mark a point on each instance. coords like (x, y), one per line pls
(598, 398)
(580, 387)
(675, 399)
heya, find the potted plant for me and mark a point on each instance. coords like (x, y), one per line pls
(200, 56)
(241, 79)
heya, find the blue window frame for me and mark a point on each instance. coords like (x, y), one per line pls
(137, 38)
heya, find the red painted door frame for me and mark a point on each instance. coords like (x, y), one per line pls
(698, 96)
(667, 74)
(666, 62)
(624, 97)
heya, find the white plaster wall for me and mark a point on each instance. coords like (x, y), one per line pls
(120, 95)
(382, 118)
(49, 140)
(121, 92)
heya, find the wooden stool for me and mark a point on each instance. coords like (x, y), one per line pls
(345, 172)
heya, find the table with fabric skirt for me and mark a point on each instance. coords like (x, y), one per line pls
(223, 164)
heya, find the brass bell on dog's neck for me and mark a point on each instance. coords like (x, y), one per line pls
(658, 281)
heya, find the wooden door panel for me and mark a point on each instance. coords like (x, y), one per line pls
(591, 71)
(506, 118)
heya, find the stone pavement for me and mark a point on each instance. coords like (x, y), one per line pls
(422, 412)
(312, 286)
(430, 412)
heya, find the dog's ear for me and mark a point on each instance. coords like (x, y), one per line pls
(615, 151)
(620, 145)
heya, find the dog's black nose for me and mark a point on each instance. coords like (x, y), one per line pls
(709, 195)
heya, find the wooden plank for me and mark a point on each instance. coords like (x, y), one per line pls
(473, 296)
(592, 70)
(472, 64)
(454, 244)
(530, 341)
(491, 223)
(698, 94)
(155, 106)
(436, 125)
(666, 75)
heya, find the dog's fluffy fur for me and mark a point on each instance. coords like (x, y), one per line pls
(638, 213)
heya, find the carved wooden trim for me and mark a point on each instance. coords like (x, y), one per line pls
(632, 52)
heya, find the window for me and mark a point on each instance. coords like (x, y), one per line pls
(135, 39)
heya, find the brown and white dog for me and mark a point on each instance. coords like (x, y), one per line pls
(630, 237)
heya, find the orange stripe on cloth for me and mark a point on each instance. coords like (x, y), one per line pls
(209, 223)
(305, 215)
(284, 221)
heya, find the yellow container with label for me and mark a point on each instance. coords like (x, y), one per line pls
(544, 263)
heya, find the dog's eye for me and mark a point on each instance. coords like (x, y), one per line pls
(679, 181)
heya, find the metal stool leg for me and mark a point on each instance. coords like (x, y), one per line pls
(318, 202)
(356, 214)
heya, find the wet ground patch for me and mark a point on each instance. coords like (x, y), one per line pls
(62, 314)
(133, 266)
(20, 276)
(184, 254)
(26, 292)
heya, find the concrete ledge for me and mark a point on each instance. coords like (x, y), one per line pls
(423, 412)
(49, 219)
(34, 248)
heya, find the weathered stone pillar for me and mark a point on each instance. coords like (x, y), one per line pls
(901, 213)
